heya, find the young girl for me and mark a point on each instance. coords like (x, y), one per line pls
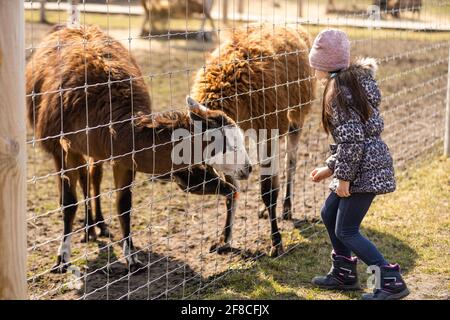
(360, 163)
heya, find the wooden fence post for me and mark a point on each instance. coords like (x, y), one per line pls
(225, 10)
(299, 8)
(13, 245)
(447, 113)
(42, 18)
(241, 6)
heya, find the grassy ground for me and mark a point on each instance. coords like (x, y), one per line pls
(410, 226)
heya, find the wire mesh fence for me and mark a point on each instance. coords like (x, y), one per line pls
(106, 89)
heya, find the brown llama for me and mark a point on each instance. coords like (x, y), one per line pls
(155, 10)
(261, 78)
(87, 99)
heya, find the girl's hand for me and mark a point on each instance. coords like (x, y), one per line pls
(318, 174)
(343, 189)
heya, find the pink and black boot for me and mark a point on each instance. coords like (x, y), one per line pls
(392, 286)
(342, 276)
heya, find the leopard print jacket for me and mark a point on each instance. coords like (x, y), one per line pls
(358, 154)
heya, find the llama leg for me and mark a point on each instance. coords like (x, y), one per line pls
(204, 180)
(269, 192)
(213, 30)
(211, 21)
(208, 14)
(89, 230)
(201, 34)
(68, 202)
(96, 175)
(227, 234)
(144, 33)
(123, 178)
(292, 141)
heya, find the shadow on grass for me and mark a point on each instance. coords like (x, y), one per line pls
(286, 277)
(161, 277)
(289, 276)
(393, 249)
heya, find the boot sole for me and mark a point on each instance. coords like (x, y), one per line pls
(400, 295)
(395, 296)
(353, 287)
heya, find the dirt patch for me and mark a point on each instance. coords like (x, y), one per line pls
(174, 230)
(426, 287)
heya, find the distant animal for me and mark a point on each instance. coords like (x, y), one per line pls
(395, 7)
(157, 11)
(261, 78)
(86, 98)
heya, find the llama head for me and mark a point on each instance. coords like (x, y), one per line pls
(223, 144)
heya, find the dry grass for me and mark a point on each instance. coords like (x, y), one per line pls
(410, 227)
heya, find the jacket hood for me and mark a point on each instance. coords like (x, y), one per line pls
(367, 64)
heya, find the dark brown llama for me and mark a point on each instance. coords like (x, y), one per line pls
(87, 99)
(261, 78)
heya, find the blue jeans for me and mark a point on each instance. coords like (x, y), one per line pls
(342, 218)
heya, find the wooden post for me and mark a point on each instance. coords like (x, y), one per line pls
(299, 8)
(447, 114)
(241, 7)
(225, 10)
(13, 245)
(42, 18)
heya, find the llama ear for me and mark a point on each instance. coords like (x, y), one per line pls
(196, 110)
(193, 104)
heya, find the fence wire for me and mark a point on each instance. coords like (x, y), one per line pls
(173, 230)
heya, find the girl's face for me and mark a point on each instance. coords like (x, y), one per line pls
(322, 76)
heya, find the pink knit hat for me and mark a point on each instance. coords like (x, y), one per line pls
(330, 51)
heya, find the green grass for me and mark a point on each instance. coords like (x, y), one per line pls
(410, 227)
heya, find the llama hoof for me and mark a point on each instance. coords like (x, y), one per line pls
(287, 214)
(60, 266)
(145, 33)
(263, 214)
(104, 232)
(287, 209)
(276, 251)
(134, 265)
(107, 270)
(205, 36)
(220, 248)
(90, 236)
